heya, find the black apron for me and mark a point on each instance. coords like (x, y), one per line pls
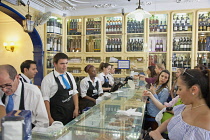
(62, 104)
(21, 106)
(83, 103)
(106, 82)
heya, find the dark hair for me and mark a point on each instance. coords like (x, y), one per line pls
(165, 84)
(103, 65)
(201, 67)
(152, 70)
(88, 67)
(196, 77)
(10, 70)
(59, 56)
(26, 64)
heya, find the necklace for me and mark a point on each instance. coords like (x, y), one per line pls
(197, 106)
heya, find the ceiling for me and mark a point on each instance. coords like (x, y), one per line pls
(98, 7)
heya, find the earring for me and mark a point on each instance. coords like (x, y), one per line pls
(193, 93)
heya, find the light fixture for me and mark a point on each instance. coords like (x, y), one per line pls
(139, 14)
(28, 24)
(9, 48)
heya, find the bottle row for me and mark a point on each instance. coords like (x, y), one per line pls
(114, 25)
(134, 26)
(74, 27)
(73, 45)
(54, 26)
(204, 22)
(182, 44)
(158, 23)
(114, 45)
(181, 60)
(54, 44)
(204, 43)
(135, 45)
(158, 44)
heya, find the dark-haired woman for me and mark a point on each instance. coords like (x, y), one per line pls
(90, 88)
(159, 91)
(191, 120)
(105, 68)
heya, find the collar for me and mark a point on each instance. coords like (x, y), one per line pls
(88, 78)
(18, 91)
(57, 73)
(25, 77)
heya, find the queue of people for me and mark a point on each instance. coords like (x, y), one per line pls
(61, 99)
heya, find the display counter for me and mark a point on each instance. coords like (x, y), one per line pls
(101, 122)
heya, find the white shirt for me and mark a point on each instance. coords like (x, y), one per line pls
(33, 101)
(49, 86)
(101, 77)
(111, 79)
(84, 85)
(26, 78)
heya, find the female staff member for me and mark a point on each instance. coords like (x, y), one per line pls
(110, 75)
(90, 88)
(105, 68)
(157, 92)
(192, 118)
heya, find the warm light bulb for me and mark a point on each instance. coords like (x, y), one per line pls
(5, 44)
(12, 44)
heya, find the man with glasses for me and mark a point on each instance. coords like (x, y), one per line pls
(17, 95)
(28, 71)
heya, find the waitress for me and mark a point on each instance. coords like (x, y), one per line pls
(105, 68)
(90, 88)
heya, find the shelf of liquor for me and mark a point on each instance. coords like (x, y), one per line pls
(54, 41)
(93, 34)
(202, 52)
(134, 35)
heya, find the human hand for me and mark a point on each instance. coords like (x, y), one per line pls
(152, 88)
(75, 113)
(146, 93)
(155, 135)
(51, 120)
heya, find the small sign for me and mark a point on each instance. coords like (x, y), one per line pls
(123, 64)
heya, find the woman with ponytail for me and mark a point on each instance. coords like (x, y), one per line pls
(192, 118)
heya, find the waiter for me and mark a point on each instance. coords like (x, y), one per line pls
(17, 95)
(59, 91)
(28, 71)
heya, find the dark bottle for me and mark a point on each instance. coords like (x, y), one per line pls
(128, 45)
(184, 44)
(157, 46)
(161, 46)
(165, 27)
(174, 45)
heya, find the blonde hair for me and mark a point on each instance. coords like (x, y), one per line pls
(161, 66)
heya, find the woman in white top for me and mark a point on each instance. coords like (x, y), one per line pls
(110, 75)
(105, 68)
(90, 88)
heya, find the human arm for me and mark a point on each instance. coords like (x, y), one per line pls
(156, 102)
(84, 86)
(156, 134)
(76, 106)
(47, 105)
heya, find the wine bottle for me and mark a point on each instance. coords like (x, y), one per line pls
(157, 47)
(161, 46)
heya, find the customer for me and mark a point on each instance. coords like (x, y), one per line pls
(174, 86)
(59, 91)
(17, 95)
(159, 91)
(28, 71)
(151, 80)
(110, 75)
(90, 88)
(105, 68)
(151, 74)
(191, 119)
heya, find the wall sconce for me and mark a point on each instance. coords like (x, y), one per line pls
(10, 47)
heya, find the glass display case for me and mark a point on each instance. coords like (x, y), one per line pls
(101, 122)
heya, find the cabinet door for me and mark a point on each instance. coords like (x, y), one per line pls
(54, 39)
(74, 35)
(202, 51)
(93, 38)
(135, 36)
(113, 34)
(182, 41)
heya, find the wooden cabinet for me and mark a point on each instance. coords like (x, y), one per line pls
(180, 39)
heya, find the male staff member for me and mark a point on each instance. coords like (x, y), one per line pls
(17, 95)
(28, 71)
(59, 91)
